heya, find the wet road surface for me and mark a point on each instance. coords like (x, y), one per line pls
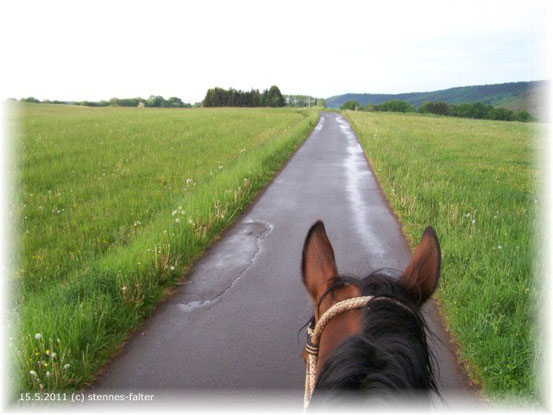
(232, 329)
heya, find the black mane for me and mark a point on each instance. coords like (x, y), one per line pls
(388, 360)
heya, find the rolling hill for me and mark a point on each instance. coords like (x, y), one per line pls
(516, 96)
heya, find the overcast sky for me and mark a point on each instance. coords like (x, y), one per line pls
(95, 50)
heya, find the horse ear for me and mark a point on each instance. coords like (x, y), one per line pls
(318, 266)
(422, 274)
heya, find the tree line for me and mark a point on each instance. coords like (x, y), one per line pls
(154, 101)
(304, 101)
(219, 97)
(476, 110)
(215, 97)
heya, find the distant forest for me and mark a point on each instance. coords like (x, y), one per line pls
(515, 96)
(476, 110)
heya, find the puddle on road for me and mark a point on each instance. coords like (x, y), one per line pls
(358, 179)
(224, 266)
(320, 125)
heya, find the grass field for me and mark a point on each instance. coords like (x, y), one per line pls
(475, 182)
(112, 206)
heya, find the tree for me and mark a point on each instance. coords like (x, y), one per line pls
(479, 110)
(440, 108)
(156, 101)
(501, 114)
(209, 100)
(395, 106)
(31, 99)
(175, 102)
(524, 116)
(274, 97)
(218, 97)
(350, 105)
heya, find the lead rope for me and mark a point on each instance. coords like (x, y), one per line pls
(314, 335)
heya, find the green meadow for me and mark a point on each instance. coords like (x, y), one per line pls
(111, 207)
(476, 182)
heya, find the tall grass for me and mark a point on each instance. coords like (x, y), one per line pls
(475, 182)
(114, 204)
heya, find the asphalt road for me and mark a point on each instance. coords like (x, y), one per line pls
(231, 331)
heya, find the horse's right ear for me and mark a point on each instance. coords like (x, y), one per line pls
(421, 276)
(318, 266)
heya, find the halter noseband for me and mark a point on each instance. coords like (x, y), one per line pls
(314, 335)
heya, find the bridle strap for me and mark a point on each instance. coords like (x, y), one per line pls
(314, 336)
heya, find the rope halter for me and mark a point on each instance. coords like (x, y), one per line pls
(314, 336)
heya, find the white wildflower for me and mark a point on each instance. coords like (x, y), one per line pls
(32, 373)
(66, 366)
(172, 268)
(37, 336)
(173, 213)
(47, 374)
(177, 220)
(499, 247)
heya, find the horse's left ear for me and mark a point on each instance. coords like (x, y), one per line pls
(318, 266)
(423, 272)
